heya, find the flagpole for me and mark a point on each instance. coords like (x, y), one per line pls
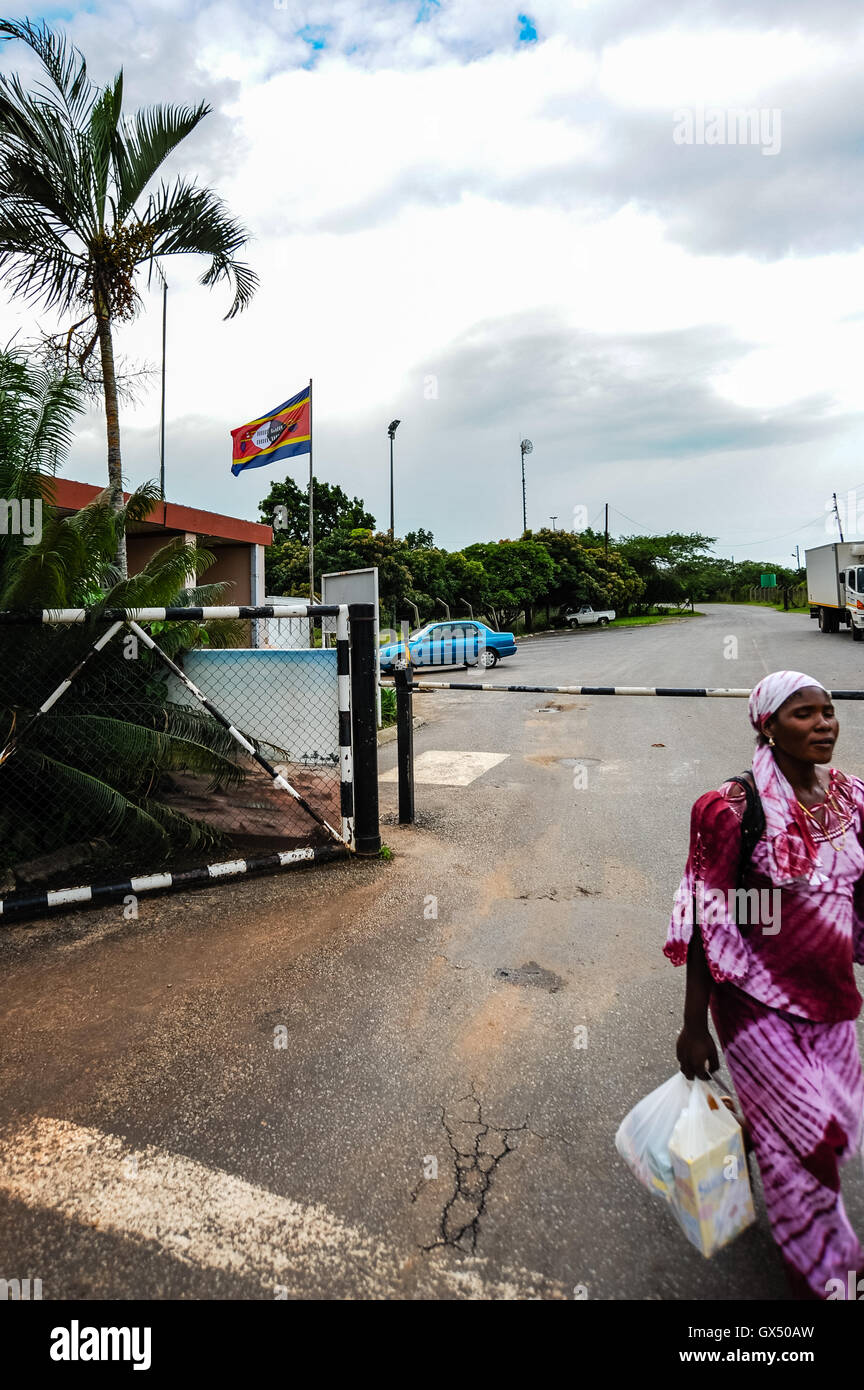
(311, 511)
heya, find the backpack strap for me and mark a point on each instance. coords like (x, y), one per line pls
(752, 822)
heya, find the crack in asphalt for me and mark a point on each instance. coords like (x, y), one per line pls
(473, 1169)
(554, 896)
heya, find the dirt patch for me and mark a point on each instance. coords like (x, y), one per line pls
(258, 814)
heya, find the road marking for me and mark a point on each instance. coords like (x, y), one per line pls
(447, 768)
(211, 1219)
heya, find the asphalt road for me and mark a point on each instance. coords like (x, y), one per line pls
(403, 1079)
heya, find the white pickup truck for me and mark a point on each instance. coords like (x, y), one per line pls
(585, 615)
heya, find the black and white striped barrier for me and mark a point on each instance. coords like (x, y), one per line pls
(163, 615)
(15, 906)
(346, 754)
(709, 692)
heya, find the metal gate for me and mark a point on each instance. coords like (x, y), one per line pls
(149, 749)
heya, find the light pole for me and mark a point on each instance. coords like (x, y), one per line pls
(391, 430)
(158, 270)
(525, 446)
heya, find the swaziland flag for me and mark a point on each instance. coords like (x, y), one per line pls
(280, 434)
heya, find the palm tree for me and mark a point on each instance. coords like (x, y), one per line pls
(97, 764)
(75, 224)
(38, 407)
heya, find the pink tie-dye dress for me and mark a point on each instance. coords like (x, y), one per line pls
(784, 1003)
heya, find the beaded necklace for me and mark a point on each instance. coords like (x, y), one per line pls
(829, 801)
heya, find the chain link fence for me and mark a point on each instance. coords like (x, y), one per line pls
(132, 747)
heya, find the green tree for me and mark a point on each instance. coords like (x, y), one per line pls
(75, 225)
(362, 548)
(584, 573)
(517, 574)
(332, 509)
(420, 540)
(286, 509)
(665, 563)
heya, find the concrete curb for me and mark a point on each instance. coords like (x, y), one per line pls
(389, 735)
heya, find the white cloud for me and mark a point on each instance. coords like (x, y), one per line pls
(512, 220)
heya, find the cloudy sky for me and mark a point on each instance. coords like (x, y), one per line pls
(497, 223)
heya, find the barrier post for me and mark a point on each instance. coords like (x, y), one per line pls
(405, 745)
(364, 721)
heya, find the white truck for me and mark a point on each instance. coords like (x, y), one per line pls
(585, 615)
(835, 586)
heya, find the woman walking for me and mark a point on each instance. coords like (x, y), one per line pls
(781, 988)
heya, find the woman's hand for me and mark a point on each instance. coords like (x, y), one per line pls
(696, 1050)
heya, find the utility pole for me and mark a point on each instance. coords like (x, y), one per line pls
(837, 514)
(525, 447)
(553, 519)
(606, 532)
(797, 557)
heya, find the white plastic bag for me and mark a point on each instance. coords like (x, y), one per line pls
(683, 1144)
(643, 1135)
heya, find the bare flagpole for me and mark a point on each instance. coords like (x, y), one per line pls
(311, 512)
(162, 410)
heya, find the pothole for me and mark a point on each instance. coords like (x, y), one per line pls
(532, 975)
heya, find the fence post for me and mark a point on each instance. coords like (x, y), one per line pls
(364, 680)
(405, 745)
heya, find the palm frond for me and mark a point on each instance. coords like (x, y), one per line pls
(142, 501)
(59, 401)
(104, 120)
(97, 803)
(36, 263)
(71, 90)
(184, 219)
(142, 144)
(114, 743)
(102, 809)
(162, 578)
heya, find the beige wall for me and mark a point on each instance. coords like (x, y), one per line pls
(140, 549)
(233, 563)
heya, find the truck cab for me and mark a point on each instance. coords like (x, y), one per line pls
(835, 586)
(852, 584)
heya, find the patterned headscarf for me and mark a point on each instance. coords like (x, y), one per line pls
(793, 856)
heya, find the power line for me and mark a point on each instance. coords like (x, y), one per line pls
(817, 520)
(649, 530)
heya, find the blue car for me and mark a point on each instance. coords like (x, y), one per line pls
(459, 643)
